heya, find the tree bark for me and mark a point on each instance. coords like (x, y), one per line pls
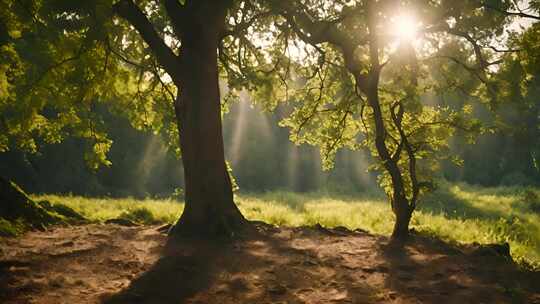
(403, 214)
(198, 24)
(399, 201)
(209, 206)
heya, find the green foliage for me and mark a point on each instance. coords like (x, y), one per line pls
(60, 61)
(508, 154)
(142, 164)
(50, 89)
(439, 84)
(327, 65)
(231, 176)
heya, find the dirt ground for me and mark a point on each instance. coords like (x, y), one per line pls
(116, 264)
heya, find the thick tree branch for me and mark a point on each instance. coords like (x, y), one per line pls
(319, 31)
(176, 14)
(164, 55)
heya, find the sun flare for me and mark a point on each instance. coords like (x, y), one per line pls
(405, 27)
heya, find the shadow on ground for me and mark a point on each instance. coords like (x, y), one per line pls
(431, 271)
(445, 202)
(318, 265)
(267, 267)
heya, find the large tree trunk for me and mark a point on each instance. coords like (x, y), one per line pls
(209, 208)
(199, 24)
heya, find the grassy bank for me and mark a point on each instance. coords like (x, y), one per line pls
(455, 212)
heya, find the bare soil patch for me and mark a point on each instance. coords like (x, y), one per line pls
(117, 264)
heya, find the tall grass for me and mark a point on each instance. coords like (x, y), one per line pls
(455, 212)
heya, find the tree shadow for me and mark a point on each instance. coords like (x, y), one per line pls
(299, 201)
(442, 202)
(428, 270)
(445, 202)
(171, 279)
(301, 265)
(261, 267)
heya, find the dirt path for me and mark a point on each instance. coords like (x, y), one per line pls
(115, 264)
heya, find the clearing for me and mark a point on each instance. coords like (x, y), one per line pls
(456, 213)
(115, 264)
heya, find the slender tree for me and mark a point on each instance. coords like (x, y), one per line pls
(357, 85)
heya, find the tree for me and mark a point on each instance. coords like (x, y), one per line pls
(517, 114)
(506, 155)
(88, 56)
(357, 86)
(198, 25)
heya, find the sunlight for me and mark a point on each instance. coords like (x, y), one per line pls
(239, 129)
(405, 27)
(292, 167)
(154, 155)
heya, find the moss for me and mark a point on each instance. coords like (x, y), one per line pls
(69, 215)
(16, 205)
(19, 213)
(10, 229)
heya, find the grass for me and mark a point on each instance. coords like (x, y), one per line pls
(455, 212)
(147, 211)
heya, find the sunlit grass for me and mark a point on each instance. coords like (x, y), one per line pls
(284, 208)
(101, 209)
(456, 213)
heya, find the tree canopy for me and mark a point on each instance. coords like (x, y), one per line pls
(358, 80)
